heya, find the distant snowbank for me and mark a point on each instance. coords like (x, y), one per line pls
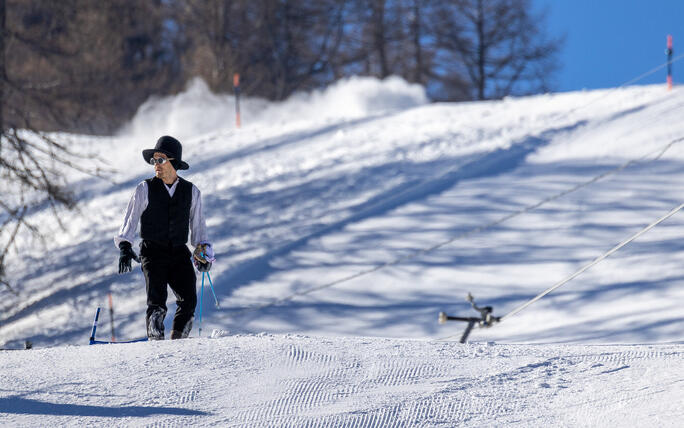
(198, 111)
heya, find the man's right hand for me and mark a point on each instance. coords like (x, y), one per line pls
(125, 257)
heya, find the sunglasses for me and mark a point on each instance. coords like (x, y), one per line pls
(160, 161)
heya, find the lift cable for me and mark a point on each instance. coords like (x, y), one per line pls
(486, 318)
(487, 226)
(594, 262)
(659, 153)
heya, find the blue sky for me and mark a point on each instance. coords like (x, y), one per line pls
(609, 42)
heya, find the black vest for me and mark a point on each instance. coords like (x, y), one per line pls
(167, 219)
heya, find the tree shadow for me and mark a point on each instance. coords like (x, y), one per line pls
(280, 141)
(453, 171)
(320, 206)
(26, 406)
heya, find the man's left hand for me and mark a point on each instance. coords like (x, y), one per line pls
(203, 257)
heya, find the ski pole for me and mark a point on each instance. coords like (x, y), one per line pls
(92, 334)
(111, 317)
(210, 283)
(212, 289)
(201, 298)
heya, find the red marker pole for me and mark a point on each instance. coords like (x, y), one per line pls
(236, 88)
(668, 51)
(111, 316)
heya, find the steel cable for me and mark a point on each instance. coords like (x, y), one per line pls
(503, 219)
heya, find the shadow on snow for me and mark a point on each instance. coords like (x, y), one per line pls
(26, 406)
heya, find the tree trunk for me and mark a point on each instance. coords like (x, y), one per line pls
(481, 52)
(380, 36)
(415, 29)
(2, 70)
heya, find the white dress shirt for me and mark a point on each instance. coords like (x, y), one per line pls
(138, 204)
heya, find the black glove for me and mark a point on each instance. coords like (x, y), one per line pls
(125, 257)
(201, 259)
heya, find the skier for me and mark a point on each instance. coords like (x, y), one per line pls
(167, 208)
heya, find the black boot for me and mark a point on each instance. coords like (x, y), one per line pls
(176, 334)
(155, 325)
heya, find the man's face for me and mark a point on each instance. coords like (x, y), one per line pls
(165, 170)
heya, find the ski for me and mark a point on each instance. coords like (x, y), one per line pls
(107, 342)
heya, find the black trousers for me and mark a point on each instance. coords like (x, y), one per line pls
(162, 265)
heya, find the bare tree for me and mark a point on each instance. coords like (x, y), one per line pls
(414, 46)
(277, 46)
(394, 37)
(375, 29)
(212, 33)
(380, 38)
(303, 38)
(2, 64)
(33, 85)
(499, 45)
(85, 66)
(124, 51)
(458, 49)
(417, 32)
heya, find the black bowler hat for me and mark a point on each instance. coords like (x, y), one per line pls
(171, 148)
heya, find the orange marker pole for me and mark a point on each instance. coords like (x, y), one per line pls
(668, 51)
(236, 88)
(111, 316)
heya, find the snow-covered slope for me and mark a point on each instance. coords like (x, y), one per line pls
(295, 381)
(298, 201)
(363, 211)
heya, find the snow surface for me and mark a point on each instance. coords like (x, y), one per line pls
(344, 221)
(265, 380)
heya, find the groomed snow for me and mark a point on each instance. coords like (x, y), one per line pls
(265, 380)
(344, 221)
